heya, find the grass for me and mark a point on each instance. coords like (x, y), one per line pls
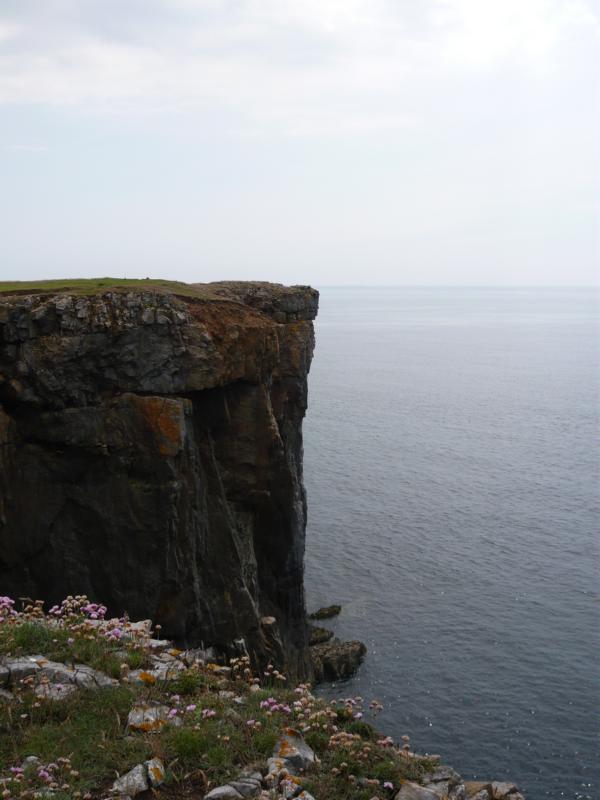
(68, 647)
(91, 286)
(87, 728)
(227, 722)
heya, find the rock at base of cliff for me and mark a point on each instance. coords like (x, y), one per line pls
(326, 612)
(336, 660)
(318, 635)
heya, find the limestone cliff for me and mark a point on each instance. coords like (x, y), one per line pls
(151, 457)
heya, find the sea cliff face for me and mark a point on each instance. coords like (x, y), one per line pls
(151, 457)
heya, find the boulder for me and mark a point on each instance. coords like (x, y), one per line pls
(55, 691)
(225, 792)
(246, 787)
(133, 782)
(336, 660)
(291, 748)
(443, 772)
(475, 788)
(150, 718)
(318, 635)
(156, 772)
(501, 789)
(412, 791)
(326, 612)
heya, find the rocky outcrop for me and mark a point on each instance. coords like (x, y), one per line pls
(151, 456)
(336, 660)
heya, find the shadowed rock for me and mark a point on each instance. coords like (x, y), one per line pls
(151, 458)
(336, 660)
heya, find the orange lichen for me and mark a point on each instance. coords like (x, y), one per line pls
(165, 419)
(149, 725)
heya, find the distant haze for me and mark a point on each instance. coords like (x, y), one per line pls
(301, 141)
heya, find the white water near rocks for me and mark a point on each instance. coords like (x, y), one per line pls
(452, 471)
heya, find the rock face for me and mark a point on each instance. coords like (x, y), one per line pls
(151, 457)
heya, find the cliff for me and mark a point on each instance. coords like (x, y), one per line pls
(151, 457)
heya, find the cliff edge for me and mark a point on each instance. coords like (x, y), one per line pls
(151, 456)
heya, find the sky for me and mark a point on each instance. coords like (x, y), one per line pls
(301, 141)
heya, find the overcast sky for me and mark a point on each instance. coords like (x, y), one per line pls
(301, 141)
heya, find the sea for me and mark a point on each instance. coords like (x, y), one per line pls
(452, 468)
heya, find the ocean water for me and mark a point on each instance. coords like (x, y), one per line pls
(451, 464)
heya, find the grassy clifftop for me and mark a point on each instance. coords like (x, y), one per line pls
(90, 286)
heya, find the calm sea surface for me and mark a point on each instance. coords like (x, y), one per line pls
(451, 463)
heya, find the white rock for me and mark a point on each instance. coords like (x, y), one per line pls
(89, 678)
(412, 791)
(150, 719)
(501, 789)
(20, 668)
(31, 761)
(159, 644)
(223, 793)
(294, 750)
(156, 772)
(246, 787)
(54, 691)
(133, 782)
(276, 765)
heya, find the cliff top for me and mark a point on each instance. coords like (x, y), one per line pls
(274, 299)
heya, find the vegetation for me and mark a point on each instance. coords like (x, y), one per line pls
(220, 719)
(90, 286)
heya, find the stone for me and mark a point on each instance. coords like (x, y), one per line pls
(175, 413)
(54, 691)
(90, 678)
(6, 696)
(443, 773)
(500, 790)
(294, 751)
(440, 788)
(412, 791)
(31, 762)
(318, 635)
(133, 782)
(80, 674)
(246, 788)
(289, 787)
(481, 795)
(476, 787)
(326, 612)
(458, 792)
(151, 718)
(156, 772)
(277, 765)
(158, 644)
(21, 668)
(223, 793)
(250, 774)
(336, 660)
